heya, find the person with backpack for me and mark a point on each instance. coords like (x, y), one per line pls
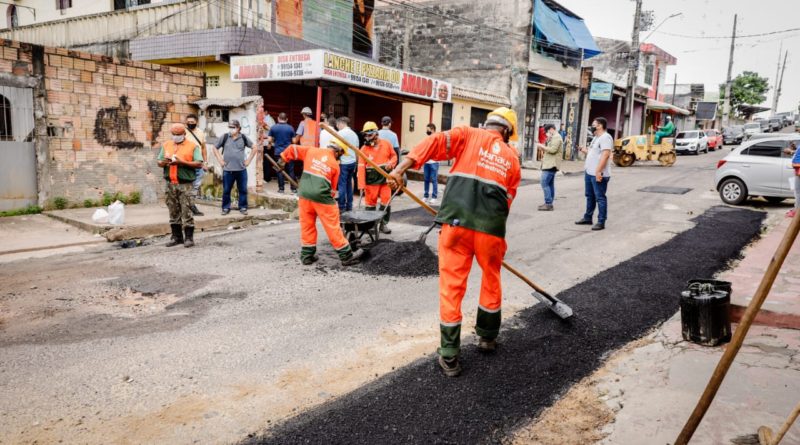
(198, 137)
(234, 164)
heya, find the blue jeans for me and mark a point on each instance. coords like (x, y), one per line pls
(198, 180)
(549, 186)
(595, 196)
(228, 178)
(282, 179)
(431, 177)
(345, 186)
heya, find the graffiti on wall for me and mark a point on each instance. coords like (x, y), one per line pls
(112, 126)
(158, 113)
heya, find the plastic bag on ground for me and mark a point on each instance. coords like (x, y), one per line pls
(100, 216)
(116, 213)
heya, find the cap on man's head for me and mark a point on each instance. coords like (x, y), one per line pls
(234, 123)
(306, 110)
(177, 129)
(386, 120)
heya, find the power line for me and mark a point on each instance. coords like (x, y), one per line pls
(783, 31)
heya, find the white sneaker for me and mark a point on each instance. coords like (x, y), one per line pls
(432, 201)
(426, 200)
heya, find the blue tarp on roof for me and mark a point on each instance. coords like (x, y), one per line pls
(580, 33)
(563, 30)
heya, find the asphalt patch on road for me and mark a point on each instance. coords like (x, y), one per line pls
(539, 357)
(401, 259)
(667, 190)
(416, 216)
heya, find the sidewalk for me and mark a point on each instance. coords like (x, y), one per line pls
(36, 236)
(645, 392)
(142, 221)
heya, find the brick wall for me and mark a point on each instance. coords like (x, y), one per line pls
(101, 118)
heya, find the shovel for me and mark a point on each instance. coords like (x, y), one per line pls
(553, 303)
(278, 168)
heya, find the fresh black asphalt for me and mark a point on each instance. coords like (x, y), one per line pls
(539, 358)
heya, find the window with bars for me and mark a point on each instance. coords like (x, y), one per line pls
(61, 5)
(6, 132)
(447, 117)
(212, 81)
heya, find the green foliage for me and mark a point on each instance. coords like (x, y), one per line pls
(60, 203)
(30, 210)
(134, 198)
(747, 88)
(89, 203)
(108, 198)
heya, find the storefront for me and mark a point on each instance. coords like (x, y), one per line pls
(343, 85)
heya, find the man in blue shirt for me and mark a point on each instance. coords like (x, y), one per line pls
(281, 135)
(348, 165)
(387, 134)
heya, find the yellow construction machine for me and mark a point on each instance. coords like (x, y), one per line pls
(642, 148)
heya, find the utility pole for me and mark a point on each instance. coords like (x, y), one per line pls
(779, 83)
(726, 106)
(674, 87)
(633, 68)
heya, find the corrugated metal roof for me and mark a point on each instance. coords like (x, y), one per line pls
(228, 103)
(480, 96)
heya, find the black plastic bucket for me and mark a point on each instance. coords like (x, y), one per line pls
(705, 312)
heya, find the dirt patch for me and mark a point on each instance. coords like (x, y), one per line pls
(401, 259)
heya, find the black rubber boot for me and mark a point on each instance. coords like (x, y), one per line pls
(353, 258)
(177, 235)
(450, 366)
(196, 211)
(188, 236)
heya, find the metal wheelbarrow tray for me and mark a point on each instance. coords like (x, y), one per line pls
(357, 223)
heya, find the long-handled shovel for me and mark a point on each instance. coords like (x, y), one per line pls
(278, 168)
(555, 305)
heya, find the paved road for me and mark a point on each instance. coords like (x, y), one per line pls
(150, 345)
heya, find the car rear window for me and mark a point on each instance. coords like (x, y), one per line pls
(752, 126)
(687, 135)
(770, 149)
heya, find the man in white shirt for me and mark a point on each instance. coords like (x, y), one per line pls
(325, 137)
(597, 174)
(348, 165)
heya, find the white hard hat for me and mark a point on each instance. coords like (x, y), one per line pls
(306, 110)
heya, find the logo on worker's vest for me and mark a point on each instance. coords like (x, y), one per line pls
(496, 148)
(492, 160)
(324, 159)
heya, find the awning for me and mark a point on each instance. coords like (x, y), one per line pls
(657, 105)
(562, 29)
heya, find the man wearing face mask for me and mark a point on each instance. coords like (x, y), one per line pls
(431, 173)
(234, 166)
(483, 182)
(371, 184)
(597, 175)
(551, 154)
(194, 135)
(180, 158)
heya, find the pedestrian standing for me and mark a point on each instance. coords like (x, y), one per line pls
(234, 161)
(431, 173)
(281, 136)
(597, 174)
(563, 132)
(180, 158)
(388, 135)
(198, 137)
(795, 153)
(316, 200)
(307, 130)
(325, 137)
(348, 164)
(551, 153)
(475, 206)
(268, 148)
(371, 184)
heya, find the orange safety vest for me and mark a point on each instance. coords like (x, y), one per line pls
(184, 151)
(309, 137)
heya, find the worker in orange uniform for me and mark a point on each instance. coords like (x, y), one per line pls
(483, 182)
(307, 130)
(317, 200)
(371, 184)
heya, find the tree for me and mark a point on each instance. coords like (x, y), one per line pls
(747, 88)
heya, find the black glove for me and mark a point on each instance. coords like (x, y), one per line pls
(281, 164)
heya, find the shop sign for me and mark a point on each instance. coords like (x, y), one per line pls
(601, 91)
(327, 65)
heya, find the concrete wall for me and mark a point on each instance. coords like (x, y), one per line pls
(226, 88)
(99, 118)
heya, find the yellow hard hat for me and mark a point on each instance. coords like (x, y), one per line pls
(506, 117)
(369, 126)
(336, 143)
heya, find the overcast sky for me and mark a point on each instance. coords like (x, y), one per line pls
(706, 60)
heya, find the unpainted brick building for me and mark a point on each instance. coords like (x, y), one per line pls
(97, 120)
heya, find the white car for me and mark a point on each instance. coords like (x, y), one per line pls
(692, 141)
(751, 128)
(760, 167)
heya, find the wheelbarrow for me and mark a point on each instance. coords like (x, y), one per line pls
(358, 223)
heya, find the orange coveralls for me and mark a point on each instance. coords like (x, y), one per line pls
(483, 182)
(369, 180)
(317, 187)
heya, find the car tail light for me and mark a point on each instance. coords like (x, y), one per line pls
(721, 162)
